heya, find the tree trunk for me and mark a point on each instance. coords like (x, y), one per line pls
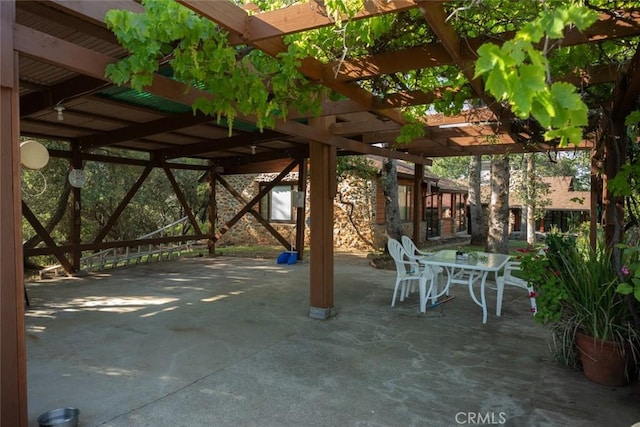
(613, 206)
(497, 239)
(476, 214)
(391, 207)
(530, 183)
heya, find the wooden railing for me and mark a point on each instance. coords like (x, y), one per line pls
(122, 256)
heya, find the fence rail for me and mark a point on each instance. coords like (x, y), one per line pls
(119, 257)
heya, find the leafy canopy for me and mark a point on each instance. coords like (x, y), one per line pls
(516, 72)
(170, 38)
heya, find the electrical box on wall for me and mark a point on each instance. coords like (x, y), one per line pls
(298, 199)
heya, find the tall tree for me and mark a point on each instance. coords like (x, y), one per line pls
(531, 212)
(391, 206)
(476, 213)
(497, 238)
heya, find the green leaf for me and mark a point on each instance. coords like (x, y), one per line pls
(488, 55)
(624, 288)
(531, 31)
(539, 111)
(566, 96)
(533, 77)
(582, 17)
(633, 118)
(566, 135)
(636, 293)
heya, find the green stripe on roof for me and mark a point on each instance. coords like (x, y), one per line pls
(144, 99)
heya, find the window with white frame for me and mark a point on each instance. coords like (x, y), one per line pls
(278, 204)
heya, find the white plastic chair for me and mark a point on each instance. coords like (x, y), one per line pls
(415, 254)
(509, 279)
(407, 271)
(411, 247)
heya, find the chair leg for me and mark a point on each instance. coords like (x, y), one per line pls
(500, 286)
(395, 291)
(422, 283)
(409, 287)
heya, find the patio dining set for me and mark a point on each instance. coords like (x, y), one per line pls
(426, 269)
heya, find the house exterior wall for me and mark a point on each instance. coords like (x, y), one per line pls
(359, 215)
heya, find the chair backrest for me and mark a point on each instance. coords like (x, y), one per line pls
(399, 255)
(510, 279)
(409, 246)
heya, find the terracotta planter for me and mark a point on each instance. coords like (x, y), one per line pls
(605, 362)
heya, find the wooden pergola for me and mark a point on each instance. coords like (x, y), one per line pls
(53, 54)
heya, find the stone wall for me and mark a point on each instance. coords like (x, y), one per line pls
(354, 210)
(248, 231)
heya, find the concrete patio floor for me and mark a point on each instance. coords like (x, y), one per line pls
(228, 342)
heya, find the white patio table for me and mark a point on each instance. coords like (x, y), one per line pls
(467, 271)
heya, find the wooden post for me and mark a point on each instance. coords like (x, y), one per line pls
(322, 192)
(417, 198)
(301, 211)
(213, 212)
(440, 218)
(593, 208)
(13, 375)
(76, 211)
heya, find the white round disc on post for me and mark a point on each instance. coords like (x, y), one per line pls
(33, 155)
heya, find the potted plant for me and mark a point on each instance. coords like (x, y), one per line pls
(576, 295)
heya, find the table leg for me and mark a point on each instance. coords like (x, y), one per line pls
(483, 297)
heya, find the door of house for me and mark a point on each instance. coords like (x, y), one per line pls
(432, 222)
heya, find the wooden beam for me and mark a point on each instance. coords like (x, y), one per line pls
(44, 47)
(616, 24)
(254, 164)
(182, 199)
(94, 12)
(210, 146)
(301, 210)
(13, 360)
(355, 128)
(75, 22)
(116, 244)
(274, 165)
(154, 127)
(307, 16)
(125, 160)
(123, 204)
(418, 177)
(628, 89)
(300, 130)
(46, 238)
(436, 17)
(322, 191)
(233, 18)
(37, 101)
(399, 61)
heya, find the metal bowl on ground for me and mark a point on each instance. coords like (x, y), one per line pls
(62, 417)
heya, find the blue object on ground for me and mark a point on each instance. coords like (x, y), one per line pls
(287, 257)
(283, 258)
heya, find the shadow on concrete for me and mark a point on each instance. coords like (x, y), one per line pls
(228, 342)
